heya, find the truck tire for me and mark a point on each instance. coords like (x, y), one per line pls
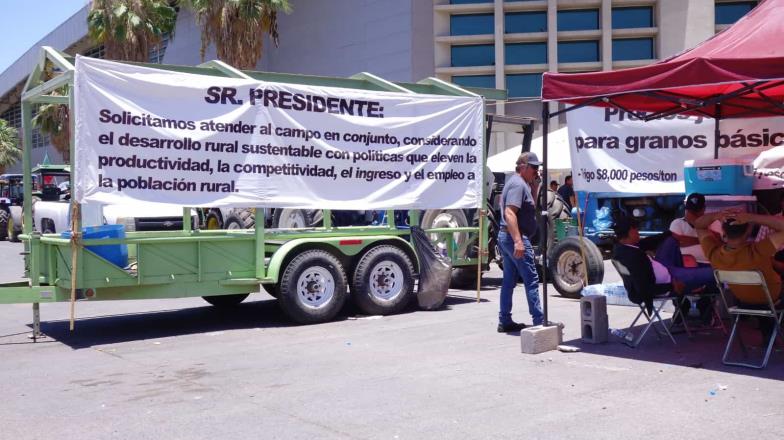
(313, 287)
(243, 218)
(288, 218)
(213, 221)
(445, 218)
(567, 268)
(223, 301)
(5, 221)
(383, 281)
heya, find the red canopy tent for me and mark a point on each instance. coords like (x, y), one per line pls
(737, 73)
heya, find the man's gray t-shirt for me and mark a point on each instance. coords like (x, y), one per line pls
(517, 193)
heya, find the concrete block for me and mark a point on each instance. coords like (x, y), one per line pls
(594, 331)
(539, 339)
(593, 306)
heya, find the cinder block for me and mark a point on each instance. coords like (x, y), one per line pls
(593, 306)
(594, 331)
(539, 339)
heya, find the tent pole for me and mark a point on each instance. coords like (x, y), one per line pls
(545, 133)
(717, 132)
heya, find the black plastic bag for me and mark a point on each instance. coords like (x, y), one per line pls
(435, 271)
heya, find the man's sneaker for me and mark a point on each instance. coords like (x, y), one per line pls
(511, 327)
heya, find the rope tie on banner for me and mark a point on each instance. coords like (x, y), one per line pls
(76, 236)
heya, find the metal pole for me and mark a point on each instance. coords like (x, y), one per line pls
(716, 132)
(545, 132)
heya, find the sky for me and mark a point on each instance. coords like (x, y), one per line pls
(24, 22)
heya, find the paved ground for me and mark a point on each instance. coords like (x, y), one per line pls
(179, 369)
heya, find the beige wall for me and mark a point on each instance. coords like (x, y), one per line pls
(683, 24)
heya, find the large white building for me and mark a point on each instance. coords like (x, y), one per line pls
(504, 44)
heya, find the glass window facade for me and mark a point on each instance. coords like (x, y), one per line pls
(578, 20)
(473, 55)
(578, 51)
(474, 24)
(487, 81)
(522, 22)
(632, 49)
(464, 2)
(525, 53)
(524, 85)
(728, 13)
(637, 17)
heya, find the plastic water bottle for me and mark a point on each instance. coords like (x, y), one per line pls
(623, 335)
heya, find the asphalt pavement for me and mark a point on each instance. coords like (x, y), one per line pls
(180, 369)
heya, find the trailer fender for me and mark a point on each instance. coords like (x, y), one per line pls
(344, 247)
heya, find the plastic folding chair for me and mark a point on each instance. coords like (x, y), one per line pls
(766, 311)
(654, 316)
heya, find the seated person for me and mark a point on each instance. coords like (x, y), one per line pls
(665, 272)
(683, 228)
(738, 253)
(764, 231)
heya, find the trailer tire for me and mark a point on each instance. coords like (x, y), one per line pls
(223, 301)
(312, 288)
(567, 268)
(288, 218)
(445, 218)
(383, 281)
(5, 221)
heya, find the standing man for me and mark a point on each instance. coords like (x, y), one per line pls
(553, 185)
(518, 224)
(566, 191)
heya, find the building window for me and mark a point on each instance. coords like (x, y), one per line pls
(578, 51)
(96, 52)
(477, 24)
(626, 18)
(157, 52)
(473, 55)
(578, 20)
(522, 22)
(465, 2)
(526, 53)
(14, 117)
(728, 13)
(524, 85)
(632, 49)
(486, 81)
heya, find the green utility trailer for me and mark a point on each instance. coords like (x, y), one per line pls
(311, 271)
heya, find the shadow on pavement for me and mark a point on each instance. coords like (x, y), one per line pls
(704, 350)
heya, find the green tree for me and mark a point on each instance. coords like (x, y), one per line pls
(128, 29)
(9, 145)
(238, 28)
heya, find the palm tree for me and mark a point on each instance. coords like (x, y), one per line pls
(9, 141)
(238, 27)
(129, 28)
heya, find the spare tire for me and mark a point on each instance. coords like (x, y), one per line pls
(288, 218)
(567, 268)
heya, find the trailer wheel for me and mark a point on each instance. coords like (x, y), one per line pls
(568, 269)
(383, 281)
(313, 287)
(226, 300)
(6, 223)
(288, 218)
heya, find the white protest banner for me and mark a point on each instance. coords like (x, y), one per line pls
(149, 135)
(615, 151)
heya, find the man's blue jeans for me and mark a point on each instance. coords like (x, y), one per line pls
(515, 268)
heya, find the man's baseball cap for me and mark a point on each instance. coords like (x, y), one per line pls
(529, 158)
(695, 202)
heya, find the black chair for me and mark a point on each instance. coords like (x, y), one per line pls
(638, 294)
